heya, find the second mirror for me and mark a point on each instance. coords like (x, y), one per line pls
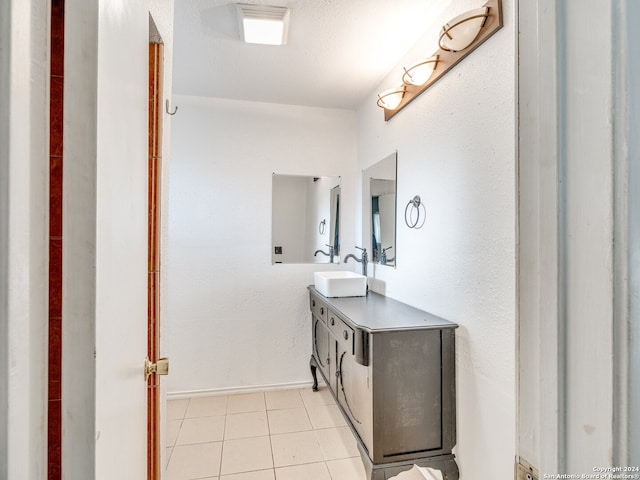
(379, 210)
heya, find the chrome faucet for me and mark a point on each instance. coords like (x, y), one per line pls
(383, 256)
(330, 254)
(364, 260)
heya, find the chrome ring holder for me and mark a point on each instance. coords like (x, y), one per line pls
(416, 206)
(322, 227)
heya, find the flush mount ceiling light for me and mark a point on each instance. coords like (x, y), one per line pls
(263, 24)
(390, 99)
(460, 32)
(458, 38)
(419, 72)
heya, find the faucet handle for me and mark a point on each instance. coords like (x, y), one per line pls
(388, 248)
(361, 248)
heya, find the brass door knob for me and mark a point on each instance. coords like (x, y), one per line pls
(161, 367)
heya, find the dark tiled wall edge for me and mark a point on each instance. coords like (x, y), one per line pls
(54, 427)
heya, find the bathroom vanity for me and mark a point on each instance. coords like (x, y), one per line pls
(391, 369)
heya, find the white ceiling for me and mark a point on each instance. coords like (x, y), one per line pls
(338, 51)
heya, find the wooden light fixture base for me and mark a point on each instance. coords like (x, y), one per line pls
(448, 59)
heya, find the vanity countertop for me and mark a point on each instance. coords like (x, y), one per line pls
(377, 313)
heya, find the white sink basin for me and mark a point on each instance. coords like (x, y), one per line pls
(340, 284)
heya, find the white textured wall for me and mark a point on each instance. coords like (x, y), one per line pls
(456, 149)
(234, 319)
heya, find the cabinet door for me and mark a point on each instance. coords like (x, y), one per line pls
(353, 390)
(408, 392)
(321, 347)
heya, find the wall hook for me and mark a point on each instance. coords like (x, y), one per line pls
(166, 107)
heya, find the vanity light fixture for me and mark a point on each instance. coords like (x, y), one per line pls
(263, 24)
(460, 32)
(458, 38)
(419, 72)
(391, 98)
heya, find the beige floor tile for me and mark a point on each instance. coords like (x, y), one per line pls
(207, 406)
(201, 430)
(246, 455)
(310, 471)
(259, 475)
(295, 449)
(246, 402)
(195, 461)
(177, 408)
(289, 421)
(337, 443)
(167, 456)
(244, 425)
(173, 428)
(326, 416)
(347, 469)
(279, 399)
(321, 397)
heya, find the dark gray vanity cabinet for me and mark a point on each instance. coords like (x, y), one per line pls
(391, 369)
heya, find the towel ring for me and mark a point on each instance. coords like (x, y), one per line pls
(322, 227)
(416, 206)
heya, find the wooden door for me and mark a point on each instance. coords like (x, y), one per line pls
(154, 226)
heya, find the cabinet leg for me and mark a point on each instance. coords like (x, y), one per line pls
(314, 373)
(450, 470)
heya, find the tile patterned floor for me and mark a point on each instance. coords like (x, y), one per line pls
(276, 435)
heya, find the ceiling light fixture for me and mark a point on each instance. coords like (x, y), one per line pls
(263, 24)
(458, 38)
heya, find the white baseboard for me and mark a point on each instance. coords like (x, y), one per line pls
(236, 390)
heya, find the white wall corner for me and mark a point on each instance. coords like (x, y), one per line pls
(24, 167)
(571, 212)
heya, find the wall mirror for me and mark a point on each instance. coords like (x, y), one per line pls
(379, 211)
(305, 222)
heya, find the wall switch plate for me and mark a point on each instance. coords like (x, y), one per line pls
(524, 471)
(277, 250)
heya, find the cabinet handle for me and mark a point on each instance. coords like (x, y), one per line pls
(333, 321)
(321, 310)
(313, 303)
(340, 377)
(345, 334)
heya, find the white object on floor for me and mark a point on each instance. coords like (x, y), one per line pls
(419, 473)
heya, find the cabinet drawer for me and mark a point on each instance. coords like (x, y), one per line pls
(319, 308)
(340, 330)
